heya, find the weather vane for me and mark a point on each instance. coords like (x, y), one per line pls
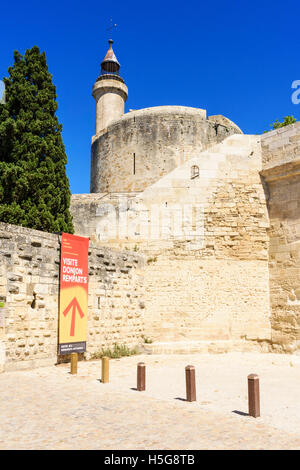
(112, 26)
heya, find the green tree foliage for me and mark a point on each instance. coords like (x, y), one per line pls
(286, 122)
(34, 188)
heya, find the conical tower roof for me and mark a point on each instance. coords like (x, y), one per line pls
(110, 63)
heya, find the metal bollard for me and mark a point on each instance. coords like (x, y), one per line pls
(105, 370)
(141, 377)
(74, 360)
(190, 383)
(253, 395)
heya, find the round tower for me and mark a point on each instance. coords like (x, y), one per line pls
(109, 91)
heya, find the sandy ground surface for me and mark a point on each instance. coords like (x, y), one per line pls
(221, 383)
(50, 408)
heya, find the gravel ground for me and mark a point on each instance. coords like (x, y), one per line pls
(48, 408)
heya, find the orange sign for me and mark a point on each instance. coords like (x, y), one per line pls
(73, 304)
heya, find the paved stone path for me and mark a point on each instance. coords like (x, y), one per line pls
(48, 408)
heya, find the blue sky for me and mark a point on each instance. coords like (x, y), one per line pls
(230, 57)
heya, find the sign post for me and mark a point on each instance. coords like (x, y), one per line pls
(73, 303)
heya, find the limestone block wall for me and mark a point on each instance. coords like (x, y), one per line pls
(88, 209)
(216, 276)
(143, 146)
(203, 228)
(281, 173)
(280, 146)
(29, 291)
(191, 298)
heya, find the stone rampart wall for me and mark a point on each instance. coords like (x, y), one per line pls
(204, 235)
(281, 174)
(29, 292)
(143, 146)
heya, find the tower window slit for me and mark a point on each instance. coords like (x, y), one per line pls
(194, 171)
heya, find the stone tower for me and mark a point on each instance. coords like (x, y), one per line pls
(109, 91)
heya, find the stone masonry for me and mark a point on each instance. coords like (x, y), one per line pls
(232, 286)
(281, 175)
(208, 283)
(194, 234)
(238, 281)
(142, 146)
(29, 292)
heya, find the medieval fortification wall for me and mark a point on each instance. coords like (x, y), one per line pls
(29, 296)
(226, 277)
(205, 238)
(142, 146)
(281, 174)
(245, 201)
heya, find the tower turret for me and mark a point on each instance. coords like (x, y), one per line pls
(109, 91)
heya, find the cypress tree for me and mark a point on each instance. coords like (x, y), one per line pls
(34, 188)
